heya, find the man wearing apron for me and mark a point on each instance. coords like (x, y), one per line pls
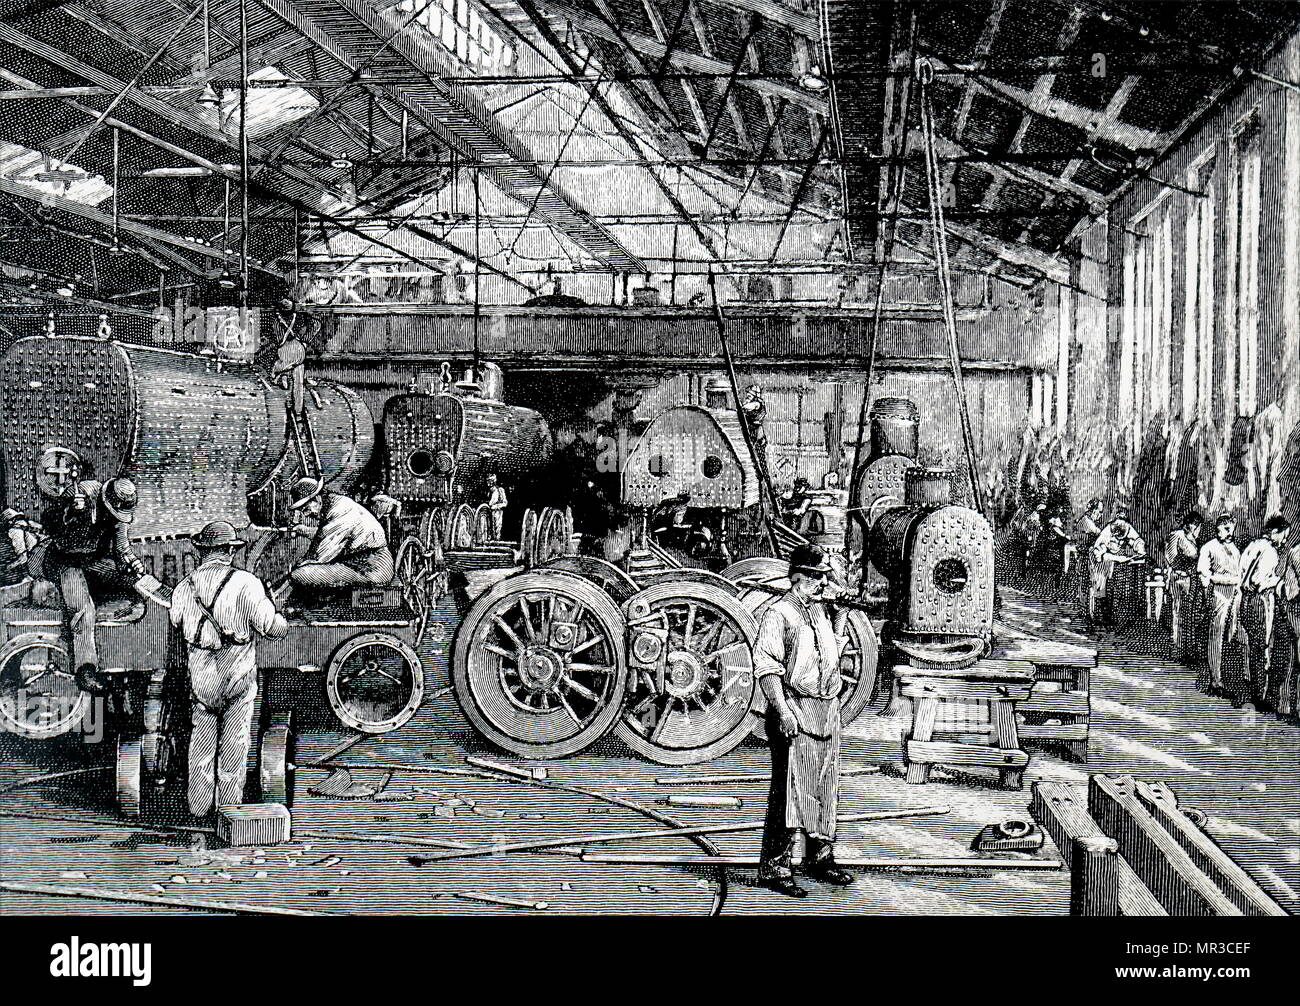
(797, 661)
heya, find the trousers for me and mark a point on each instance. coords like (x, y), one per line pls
(1286, 693)
(221, 716)
(78, 585)
(1258, 614)
(1225, 607)
(1180, 608)
(780, 827)
(374, 567)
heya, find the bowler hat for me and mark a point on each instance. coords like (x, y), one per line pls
(218, 534)
(809, 559)
(303, 491)
(120, 499)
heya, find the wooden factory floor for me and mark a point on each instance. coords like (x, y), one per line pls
(1148, 720)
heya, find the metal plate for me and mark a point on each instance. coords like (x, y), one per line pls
(374, 682)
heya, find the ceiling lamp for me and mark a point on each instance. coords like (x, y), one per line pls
(226, 280)
(340, 162)
(209, 97)
(812, 79)
(66, 288)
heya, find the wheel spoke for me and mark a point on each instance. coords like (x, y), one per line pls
(581, 647)
(501, 624)
(502, 652)
(724, 649)
(568, 708)
(582, 690)
(662, 722)
(692, 609)
(592, 668)
(528, 618)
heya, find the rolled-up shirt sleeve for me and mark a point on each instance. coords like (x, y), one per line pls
(769, 651)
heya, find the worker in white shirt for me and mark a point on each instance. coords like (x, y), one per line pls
(220, 609)
(1181, 553)
(1219, 569)
(1261, 578)
(497, 503)
(349, 547)
(1286, 696)
(1117, 545)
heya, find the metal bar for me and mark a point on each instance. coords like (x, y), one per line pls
(911, 863)
(945, 287)
(121, 95)
(679, 832)
(760, 463)
(98, 894)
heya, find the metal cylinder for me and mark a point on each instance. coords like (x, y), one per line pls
(491, 382)
(928, 486)
(894, 427)
(717, 393)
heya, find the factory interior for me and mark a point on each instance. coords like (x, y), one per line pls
(603, 328)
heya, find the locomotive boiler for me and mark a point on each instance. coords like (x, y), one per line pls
(203, 439)
(938, 559)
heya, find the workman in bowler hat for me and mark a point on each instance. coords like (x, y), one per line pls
(797, 661)
(220, 610)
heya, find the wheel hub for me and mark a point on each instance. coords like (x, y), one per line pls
(686, 675)
(540, 668)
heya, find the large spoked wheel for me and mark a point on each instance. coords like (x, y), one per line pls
(39, 697)
(528, 537)
(688, 574)
(759, 569)
(605, 575)
(553, 536)
(537, 665)
(460, 529)
(692, 678)
(374, 682)
(415, 574)
(483, 525)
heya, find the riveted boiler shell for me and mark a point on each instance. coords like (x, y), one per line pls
(950, 572)
(195, 436)
(877, 486)
(689, 449)
(428, 437)
(177, 425)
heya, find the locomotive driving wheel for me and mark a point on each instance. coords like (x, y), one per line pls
(374, 682)
(692, 678)
(552, 538)
(414, 572)
(460, 529)
(528, 537)
(39, 697)
(537, 665)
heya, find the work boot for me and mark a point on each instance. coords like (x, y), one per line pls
(783, 885)
(829, 872)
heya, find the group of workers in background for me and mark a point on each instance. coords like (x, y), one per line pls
(1217, 595)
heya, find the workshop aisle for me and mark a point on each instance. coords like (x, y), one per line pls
(1150, 720)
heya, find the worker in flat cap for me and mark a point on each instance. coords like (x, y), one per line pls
(349, 547)
(797, 661)
(89, 558)
(1219, 568)
(220, 609)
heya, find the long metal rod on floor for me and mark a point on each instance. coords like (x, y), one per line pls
(688, 832)
(95, 893)
(870, 863)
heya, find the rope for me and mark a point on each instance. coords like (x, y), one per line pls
(925, 77)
